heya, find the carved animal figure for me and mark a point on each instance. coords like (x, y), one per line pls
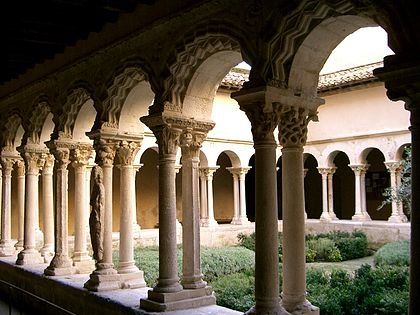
(96, 219)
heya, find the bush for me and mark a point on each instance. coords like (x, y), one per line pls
(324, 248)
(393, 254)
(235, 291)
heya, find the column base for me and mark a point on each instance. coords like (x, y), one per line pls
(398, 219)
(277, 311)
(61, 265)
(185, 299)
(136, 230)
(325, 216)
(7, 249)
(333, 216)
(239, 221)
(104, 279)
(305, 308)
(47, 252)
(361, 217)
(132, 280)
(19, 246)
(83, 265)
(29, 257)
(209, 223)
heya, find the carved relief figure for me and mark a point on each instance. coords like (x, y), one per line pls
(96, 219)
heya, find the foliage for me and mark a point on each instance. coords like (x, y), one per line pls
(331, 247)
(394, 254)
(370, 291)
(401, 194)
(215, 262)
(235, 291)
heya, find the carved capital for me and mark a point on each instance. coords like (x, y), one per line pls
(167, 139)
(326, 171)
(33, 162)
(393, 166)
(127, 151)
(190, 143)
(7, 165)
(48, 164)
(240, 172)
(359, 169)
(20, 167)
(207, 172)
(105, 151)
(80, 156)
(293, 126)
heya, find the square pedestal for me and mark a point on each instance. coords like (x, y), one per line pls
(84, 266)
(132, 280)
(29, 257)
(185, 299)
(103, 282)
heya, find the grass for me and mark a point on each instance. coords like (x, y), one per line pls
(348, 265)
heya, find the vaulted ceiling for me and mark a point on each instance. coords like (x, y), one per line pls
(32, 31)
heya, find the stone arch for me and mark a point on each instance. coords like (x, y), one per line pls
(196, 72)
(316, 48)
(399, 154)
(129, 97)
(12, 133)
(365, 152)
(203, 159)
(39, 124)
(291, 33)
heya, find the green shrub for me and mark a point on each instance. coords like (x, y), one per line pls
(220, 261)
(324, 248)
(235, 291)
(394, 254)
(247, 241)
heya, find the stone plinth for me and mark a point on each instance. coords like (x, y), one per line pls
(182, 300)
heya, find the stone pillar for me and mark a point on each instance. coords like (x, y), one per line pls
(363, 190)
(235, 177)
(264, 117)
(105, 277)
(61, 264)
(394, 168)
(6, 243)
(47, 251)
(82, 262)
(208, 174)
(239, 173)
(33, 162)
(190, 143)
(131, 276)
(292, 136)
(330, 194)
(325, 215)
(88, 174)
(204, 217)
(359, 213)
(136, 226)
(20, 170)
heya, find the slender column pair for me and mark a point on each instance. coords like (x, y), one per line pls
(360, 212)
(34, 161)
(239, 213)
(394, 168)
(327, 193)
(207, 210)
(6, 243)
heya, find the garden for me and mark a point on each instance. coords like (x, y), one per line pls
(344, 276)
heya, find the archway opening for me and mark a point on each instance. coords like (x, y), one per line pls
(343, 187)
(313, 187)
(250, 190)
(223, 190)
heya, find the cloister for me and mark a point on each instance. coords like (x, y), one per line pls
(154, 95)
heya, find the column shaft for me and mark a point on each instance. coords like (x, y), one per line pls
(325, 214)
(47, 251)
(20, 203)
(6, 245)
(236, 210)
(331, 195)
(210, 208)
(203, 199)
(242, 197)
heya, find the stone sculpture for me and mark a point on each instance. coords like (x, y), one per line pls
(96, 219)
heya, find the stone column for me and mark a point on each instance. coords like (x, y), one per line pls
(325, 215)
(190, 143)
(330, 194)
(204, 217)
(61, 264)
(131, 276)
(33, 162)
(393, 169)
(235, 177)
(208, 173)
(240, 217)
(136, 226)
(105, 277)
(292, 136)
(88, 174)
(20, 170)
(363, 190)
(6, 243)
(47, 251)
(264, 117)
(359, 214)
(82, 262)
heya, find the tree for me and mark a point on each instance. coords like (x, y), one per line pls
(402, 194)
